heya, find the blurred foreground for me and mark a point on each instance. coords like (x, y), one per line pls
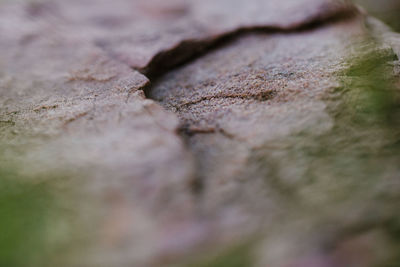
(268, 136)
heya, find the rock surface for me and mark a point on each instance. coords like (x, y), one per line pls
(157, 34)
(257, 137)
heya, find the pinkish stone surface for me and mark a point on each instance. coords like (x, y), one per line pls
(246, 140)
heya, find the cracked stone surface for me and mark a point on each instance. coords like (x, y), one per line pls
(141, 31)
(251, 139)
(238, 102)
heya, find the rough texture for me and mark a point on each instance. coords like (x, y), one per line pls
(67, 107)
(260, 143)
(141, 31)
(237, 103)
(252, 112)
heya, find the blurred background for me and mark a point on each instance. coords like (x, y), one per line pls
(386, 10)
(24, 242)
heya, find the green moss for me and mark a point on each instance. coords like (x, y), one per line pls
(352, 168)
(36, 215)
(236, 256)
(25, 211)
(371, 96)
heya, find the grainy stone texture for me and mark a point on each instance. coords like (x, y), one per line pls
(68, 107)
(252, 140)
(236, 104)
(138, 32)
(252, 113)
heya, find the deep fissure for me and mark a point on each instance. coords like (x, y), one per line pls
(190, 50)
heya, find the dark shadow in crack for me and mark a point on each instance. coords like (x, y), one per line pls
(189, 50)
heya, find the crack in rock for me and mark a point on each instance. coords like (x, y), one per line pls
(188, 50)
(250, 79)
(225, 123)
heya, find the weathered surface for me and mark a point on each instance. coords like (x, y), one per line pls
(252, 112)
(141, 31)
(259, 144)
(237, 104)
(67, 107)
